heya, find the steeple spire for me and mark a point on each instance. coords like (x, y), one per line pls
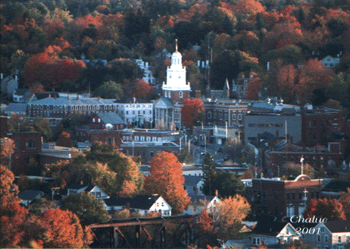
(176, 45)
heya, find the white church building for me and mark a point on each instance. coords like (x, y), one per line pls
(175, 90)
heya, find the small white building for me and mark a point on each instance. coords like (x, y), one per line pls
(147, 73)
(135, 111)
(142, 204)
(330, 61)
(92, 189)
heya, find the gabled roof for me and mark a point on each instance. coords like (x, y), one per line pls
(198, 198)
(269, 228)
(166, 101)
(21, 92)
(192, 180)
(338, 226)
(110, 118)
(143, 202)
(16, 107)
(30, 194)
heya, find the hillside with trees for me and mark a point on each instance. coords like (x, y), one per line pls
(282, 42)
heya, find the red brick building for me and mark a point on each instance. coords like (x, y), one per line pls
(282, 198)
(328, 158)
(27, 146)
(319, 124)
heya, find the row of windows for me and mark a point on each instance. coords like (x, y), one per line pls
(265, 125)
(214, 116)
(301, 195)
(134, 112)
(80, 107)
(142, 139)
(137, 106)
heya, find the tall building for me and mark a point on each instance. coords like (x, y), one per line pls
(174, 91)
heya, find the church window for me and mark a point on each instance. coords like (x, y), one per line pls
(181, 94)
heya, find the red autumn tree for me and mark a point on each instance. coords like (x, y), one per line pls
(345, 201)
(166, 180)
(64, 139)
(143, 90)
(192, 111)
(286, 78)
(128, 189)
(248, 7)
(331, 209)
(313, 75)
(254, 85)
(63, 229)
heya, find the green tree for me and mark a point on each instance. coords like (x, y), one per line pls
(209, 175)
(228, 184)
(89, 209)
(109, 90)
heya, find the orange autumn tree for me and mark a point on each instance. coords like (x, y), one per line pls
(64, 139)
(166, 180)
(192, 111)
(63, 229)
(331, 209)
(230, 214)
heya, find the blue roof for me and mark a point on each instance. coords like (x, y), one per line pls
(16, 107)
(72, 101)
(110, 118)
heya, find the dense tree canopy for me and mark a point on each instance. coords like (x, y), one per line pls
(166, 180)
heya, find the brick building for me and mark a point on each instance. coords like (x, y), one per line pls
(27, 146)
(328, 158)
(56, 108)
(319, 124)
(264, 193)
(108, 120)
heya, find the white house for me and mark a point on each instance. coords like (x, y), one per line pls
(330, 61)
(143, 204)
(271, 233)
(135, 111)
(147, 73)
(329, 235)
(193, 185)
(92, 189)
(200, 202)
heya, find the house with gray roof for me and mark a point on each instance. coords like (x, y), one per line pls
(16, 109)
(143, 204)
(106, 120)
(27, 197)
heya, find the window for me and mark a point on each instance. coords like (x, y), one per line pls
(214, 115)
(326, 238)
(30, 144)
(93, 120)
(322, 229)
(233, 116)
(339, 238)
(99, 120)
(136, 138)
(318, 238)
(239, 116)
(181, 94)
(209, 115)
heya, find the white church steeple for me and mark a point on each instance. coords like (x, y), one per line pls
(176, 73)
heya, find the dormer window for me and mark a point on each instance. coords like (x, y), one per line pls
(181, 94)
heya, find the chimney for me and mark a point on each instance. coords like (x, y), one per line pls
(258, 138)
(50, 95)
(134, 99)
(68, 96)
(267, 66)
(216, 193)
(198, 94)
(16, 77)
(77, 96)
(1, 76)
(98, 98)
(81, 182)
